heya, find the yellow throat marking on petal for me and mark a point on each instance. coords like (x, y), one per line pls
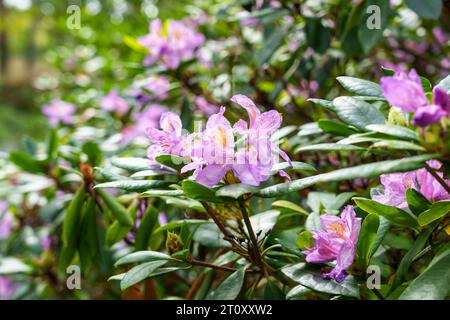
(221, 136)
(337, 227)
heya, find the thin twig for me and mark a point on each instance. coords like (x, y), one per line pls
(438, 178)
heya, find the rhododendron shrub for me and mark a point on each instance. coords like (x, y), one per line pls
(243, 152)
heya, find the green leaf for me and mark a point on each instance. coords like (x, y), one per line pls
(172, 161)
(197, 191)
(135, 45)
(283, 132)
(270, 45)
(140, 272)
(367, 237)
(365, 171)
(266, 14)
(25, 162)
(335, 127)
(11, 265)
(92, 150)
(88, 244)
(313, 280)
(393, 214)
(433, 283)
(151, 173)
(146, 228)
(360, 87)
(229, 289)
(305, 240)
(143, 256)
(116, 232)
(415, 249)
(134, 185)
(396, 145)
(290, 206)
(158, 193)
(272, 291)
(329, 147)
(370, 37)
(395, 131)
(417, 203)
(429, 9)
(357, 113)
(72, 218)
(52, 145)
(297, 292)
(264, 222)
(436, 211)
(318, 36)
(118, 211)
(235, 191)
(132, 164)
(296, 166)
(323, 103)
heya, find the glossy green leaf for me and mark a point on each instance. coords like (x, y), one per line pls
(199, 192)
(134, 185)
(140, 273)
(361, 87)
(396, 145)
(235, 191)
(118, 211)
(290, 206)
(323, 103)
(364, 171)
(143, 256)
(146, 228)
(429, 9)
(335, 127)
(329, 147)
(393, 214)
(367, 237)
(436, 211)
(417, 203)
(297, 292)
(357, 113)
(72, 218)
(229, 289)
(395, 131)
(132, 164)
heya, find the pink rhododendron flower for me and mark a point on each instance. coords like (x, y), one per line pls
(396, 184)
(7, 288)
(114, 103)
(59, 111)
(172, 44)
(158, 86)
(336, 242)
(143, 120)
(6, 221)
(405, 91)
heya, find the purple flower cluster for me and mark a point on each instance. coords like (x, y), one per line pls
(244, 149)
(405, 91)
(59, 111)
(336, 242)
(171, 43)
(396, 184)
(113, 102)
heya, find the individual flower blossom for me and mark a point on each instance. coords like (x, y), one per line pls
(168, 140)
(148, 118)
(114, 103)
(204, 106)
(335, 242)
(172, 44)
(158, 86)
(405, 91)
(6, 221)
(59, 111)
(7, 288)
(396, 184)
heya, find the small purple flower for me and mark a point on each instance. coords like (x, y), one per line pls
(114, 103)
(6, 221)
(59, 111)
(205, 107)
(158, 86)
(7, 288)
(336, 242)
(168, 140)
(396, 184)
(162, 219)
